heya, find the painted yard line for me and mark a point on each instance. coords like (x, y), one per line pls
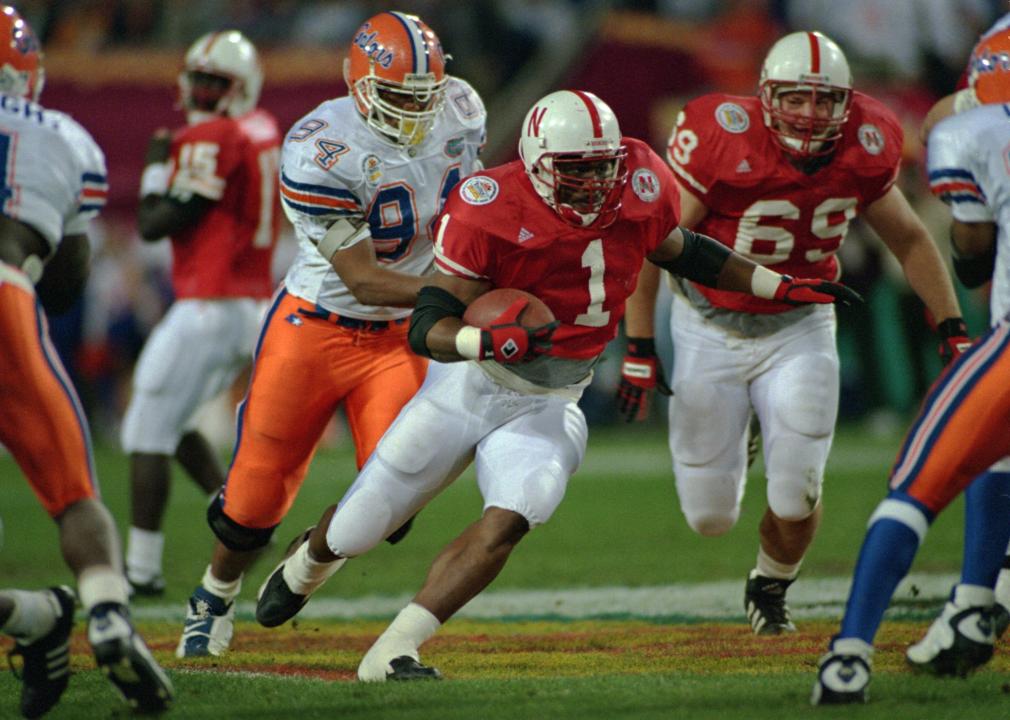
(808, 598)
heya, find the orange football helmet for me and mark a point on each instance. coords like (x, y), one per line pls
(990, 68)
(21, 70)
(395, 70)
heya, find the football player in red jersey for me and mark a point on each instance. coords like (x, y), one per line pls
(778, 178)
(53, 185)
(211, 186)
(571, 223)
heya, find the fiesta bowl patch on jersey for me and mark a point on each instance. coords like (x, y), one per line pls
(479, 190)
(732, 118)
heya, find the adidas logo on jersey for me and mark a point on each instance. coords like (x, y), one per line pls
(524, 235)
(743, 167)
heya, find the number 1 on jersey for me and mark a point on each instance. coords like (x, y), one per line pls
(595, 315)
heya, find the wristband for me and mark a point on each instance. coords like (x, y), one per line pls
(764, 282)
(468, 342)
(154, 180)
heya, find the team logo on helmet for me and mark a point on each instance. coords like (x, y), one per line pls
(23, 39)
(732, 118)
(371, 168)
(871, 138)
(366, 41)
(479, 190)
(645, 185)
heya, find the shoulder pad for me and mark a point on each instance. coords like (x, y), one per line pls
(464, 103)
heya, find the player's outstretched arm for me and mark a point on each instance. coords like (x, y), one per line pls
(369, 282)
(708, 262)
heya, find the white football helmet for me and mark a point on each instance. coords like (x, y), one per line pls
(571, 147)
(230, 57)
(806, 62)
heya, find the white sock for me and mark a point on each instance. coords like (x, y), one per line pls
(414, 624)
(227, 591)
(973, 596)
(303, 574)
(101, 584)
(1003, 588)
(35, 614)
(143, 554)
(769, 567)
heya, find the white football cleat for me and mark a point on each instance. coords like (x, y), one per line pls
(957, 642)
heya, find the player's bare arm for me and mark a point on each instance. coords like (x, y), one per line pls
(708, 262)
(161, 214)
(438, 315)
(369, 282)
(973, 247)
(908, 239)
(18, 243)
(65, 275)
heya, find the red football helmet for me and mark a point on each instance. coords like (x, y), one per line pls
(21, 70)
(806, 62)
(990, 68)
(395, 70)
(571, 147)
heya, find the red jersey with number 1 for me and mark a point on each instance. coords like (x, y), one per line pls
(233, 162)
(495, 227)
(762, 206)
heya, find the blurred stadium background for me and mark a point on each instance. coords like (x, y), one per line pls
(113, 65)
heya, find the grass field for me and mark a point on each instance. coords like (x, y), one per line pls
(613, 609)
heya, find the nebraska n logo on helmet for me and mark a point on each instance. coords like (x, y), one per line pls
(395, 70)
(807, 63)
(571, 147)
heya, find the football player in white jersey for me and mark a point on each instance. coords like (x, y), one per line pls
(967, 170)
(362, 180)
(52, 183)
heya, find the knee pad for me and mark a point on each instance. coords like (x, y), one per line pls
(232, 535)
(710, 500)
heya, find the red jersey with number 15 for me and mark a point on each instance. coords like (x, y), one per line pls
(495, 227)
(765, 208)
(233, 162)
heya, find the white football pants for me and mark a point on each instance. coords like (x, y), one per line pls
(790, 378)
(195, 352)
(525, 448)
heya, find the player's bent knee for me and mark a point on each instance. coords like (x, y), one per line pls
(232, 535)
(710, 525)
(709, 499)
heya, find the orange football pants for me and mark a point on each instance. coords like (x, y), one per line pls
(41, 421)
(962, 428)
(304, 367)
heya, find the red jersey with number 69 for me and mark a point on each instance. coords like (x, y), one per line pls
(495, 227)
(233, 162)
(764, 207)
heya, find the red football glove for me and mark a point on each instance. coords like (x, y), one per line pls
(507, 341)
(641, 373)
(954, 339)
(801, 291)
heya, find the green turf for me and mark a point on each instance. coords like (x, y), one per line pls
(620, 524)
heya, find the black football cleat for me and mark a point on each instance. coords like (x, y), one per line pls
(407, 668)
(45, 669)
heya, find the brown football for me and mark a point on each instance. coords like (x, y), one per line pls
(485, 308)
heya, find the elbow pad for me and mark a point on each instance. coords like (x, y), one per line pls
(701, 260)
(433, 304)
(343, 233)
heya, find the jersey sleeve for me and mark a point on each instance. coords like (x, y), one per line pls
(882, 138)
(698, 141)
(94, 186)
(951, 175)
(461, 249)
(314, 196)
(204, 157)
